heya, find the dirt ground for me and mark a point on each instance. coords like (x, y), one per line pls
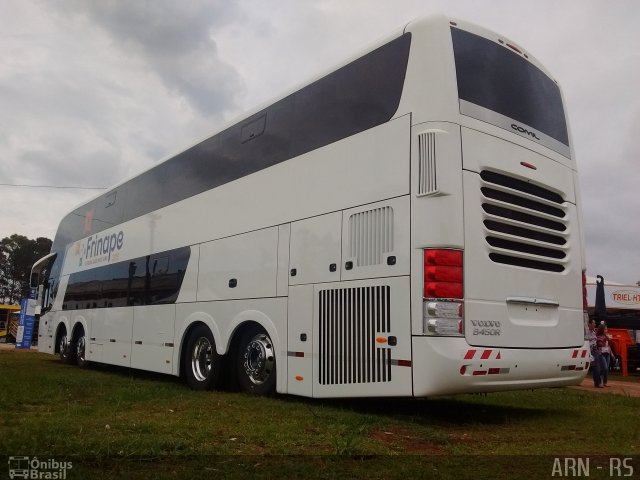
(630, 386)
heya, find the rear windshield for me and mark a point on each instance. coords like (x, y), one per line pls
(493, 77)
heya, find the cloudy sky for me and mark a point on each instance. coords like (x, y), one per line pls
(93, 91)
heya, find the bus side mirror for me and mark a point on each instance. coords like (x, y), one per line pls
(34, 279)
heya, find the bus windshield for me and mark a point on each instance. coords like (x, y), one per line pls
(503, 88)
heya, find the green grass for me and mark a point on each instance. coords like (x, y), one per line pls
(119, 423)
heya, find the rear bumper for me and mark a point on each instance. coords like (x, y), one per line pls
(443, 366)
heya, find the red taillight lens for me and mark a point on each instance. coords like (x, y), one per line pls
(585, 303)
(442, 290)
(443, 274)
(451, 258)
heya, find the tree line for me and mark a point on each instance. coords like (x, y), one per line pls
(17, 255)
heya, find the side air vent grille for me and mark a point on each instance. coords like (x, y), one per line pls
(349, 321)
(428, 181)
(525, 224)
(371, 236)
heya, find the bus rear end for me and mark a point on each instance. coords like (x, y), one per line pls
(498, 258)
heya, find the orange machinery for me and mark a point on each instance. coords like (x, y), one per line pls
(621, 341)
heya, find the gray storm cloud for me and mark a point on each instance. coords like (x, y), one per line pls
(176, 40)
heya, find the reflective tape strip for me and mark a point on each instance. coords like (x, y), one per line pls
(485, 355)
(498, 371)
(295, 354)
(401, 363)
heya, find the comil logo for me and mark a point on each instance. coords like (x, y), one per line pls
(520, 129)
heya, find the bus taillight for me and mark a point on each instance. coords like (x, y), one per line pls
(443, 274)
(443, 292)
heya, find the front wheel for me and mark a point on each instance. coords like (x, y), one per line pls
(201, 362)
(256, 362)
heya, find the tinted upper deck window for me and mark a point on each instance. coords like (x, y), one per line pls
(494, 77)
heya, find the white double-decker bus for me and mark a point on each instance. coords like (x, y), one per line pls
(405, 225)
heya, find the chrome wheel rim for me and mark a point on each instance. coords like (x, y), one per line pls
(202, 359)
(259, 359)
(63, 347)
(80, 349)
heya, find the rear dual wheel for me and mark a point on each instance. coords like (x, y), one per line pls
(73, 352)
(65, 350)
(81, 349)
(256, 362)
(202, 369)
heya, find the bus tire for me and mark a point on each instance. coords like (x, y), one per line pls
(65, 350)
(81, 349)
(202, 364)
(256, 362)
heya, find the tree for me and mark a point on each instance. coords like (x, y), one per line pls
(17, 256)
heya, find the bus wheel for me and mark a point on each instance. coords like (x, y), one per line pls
(67, 354)
(201, 361)
(81, 348)
(256, 362)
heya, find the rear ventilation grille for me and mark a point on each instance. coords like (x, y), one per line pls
(371, 236)
(428, 181)
(526, 224)
(350, 319)
(521, 186)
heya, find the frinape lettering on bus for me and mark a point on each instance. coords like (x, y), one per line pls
(102, 248)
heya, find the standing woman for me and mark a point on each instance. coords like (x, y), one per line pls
(605, 354)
